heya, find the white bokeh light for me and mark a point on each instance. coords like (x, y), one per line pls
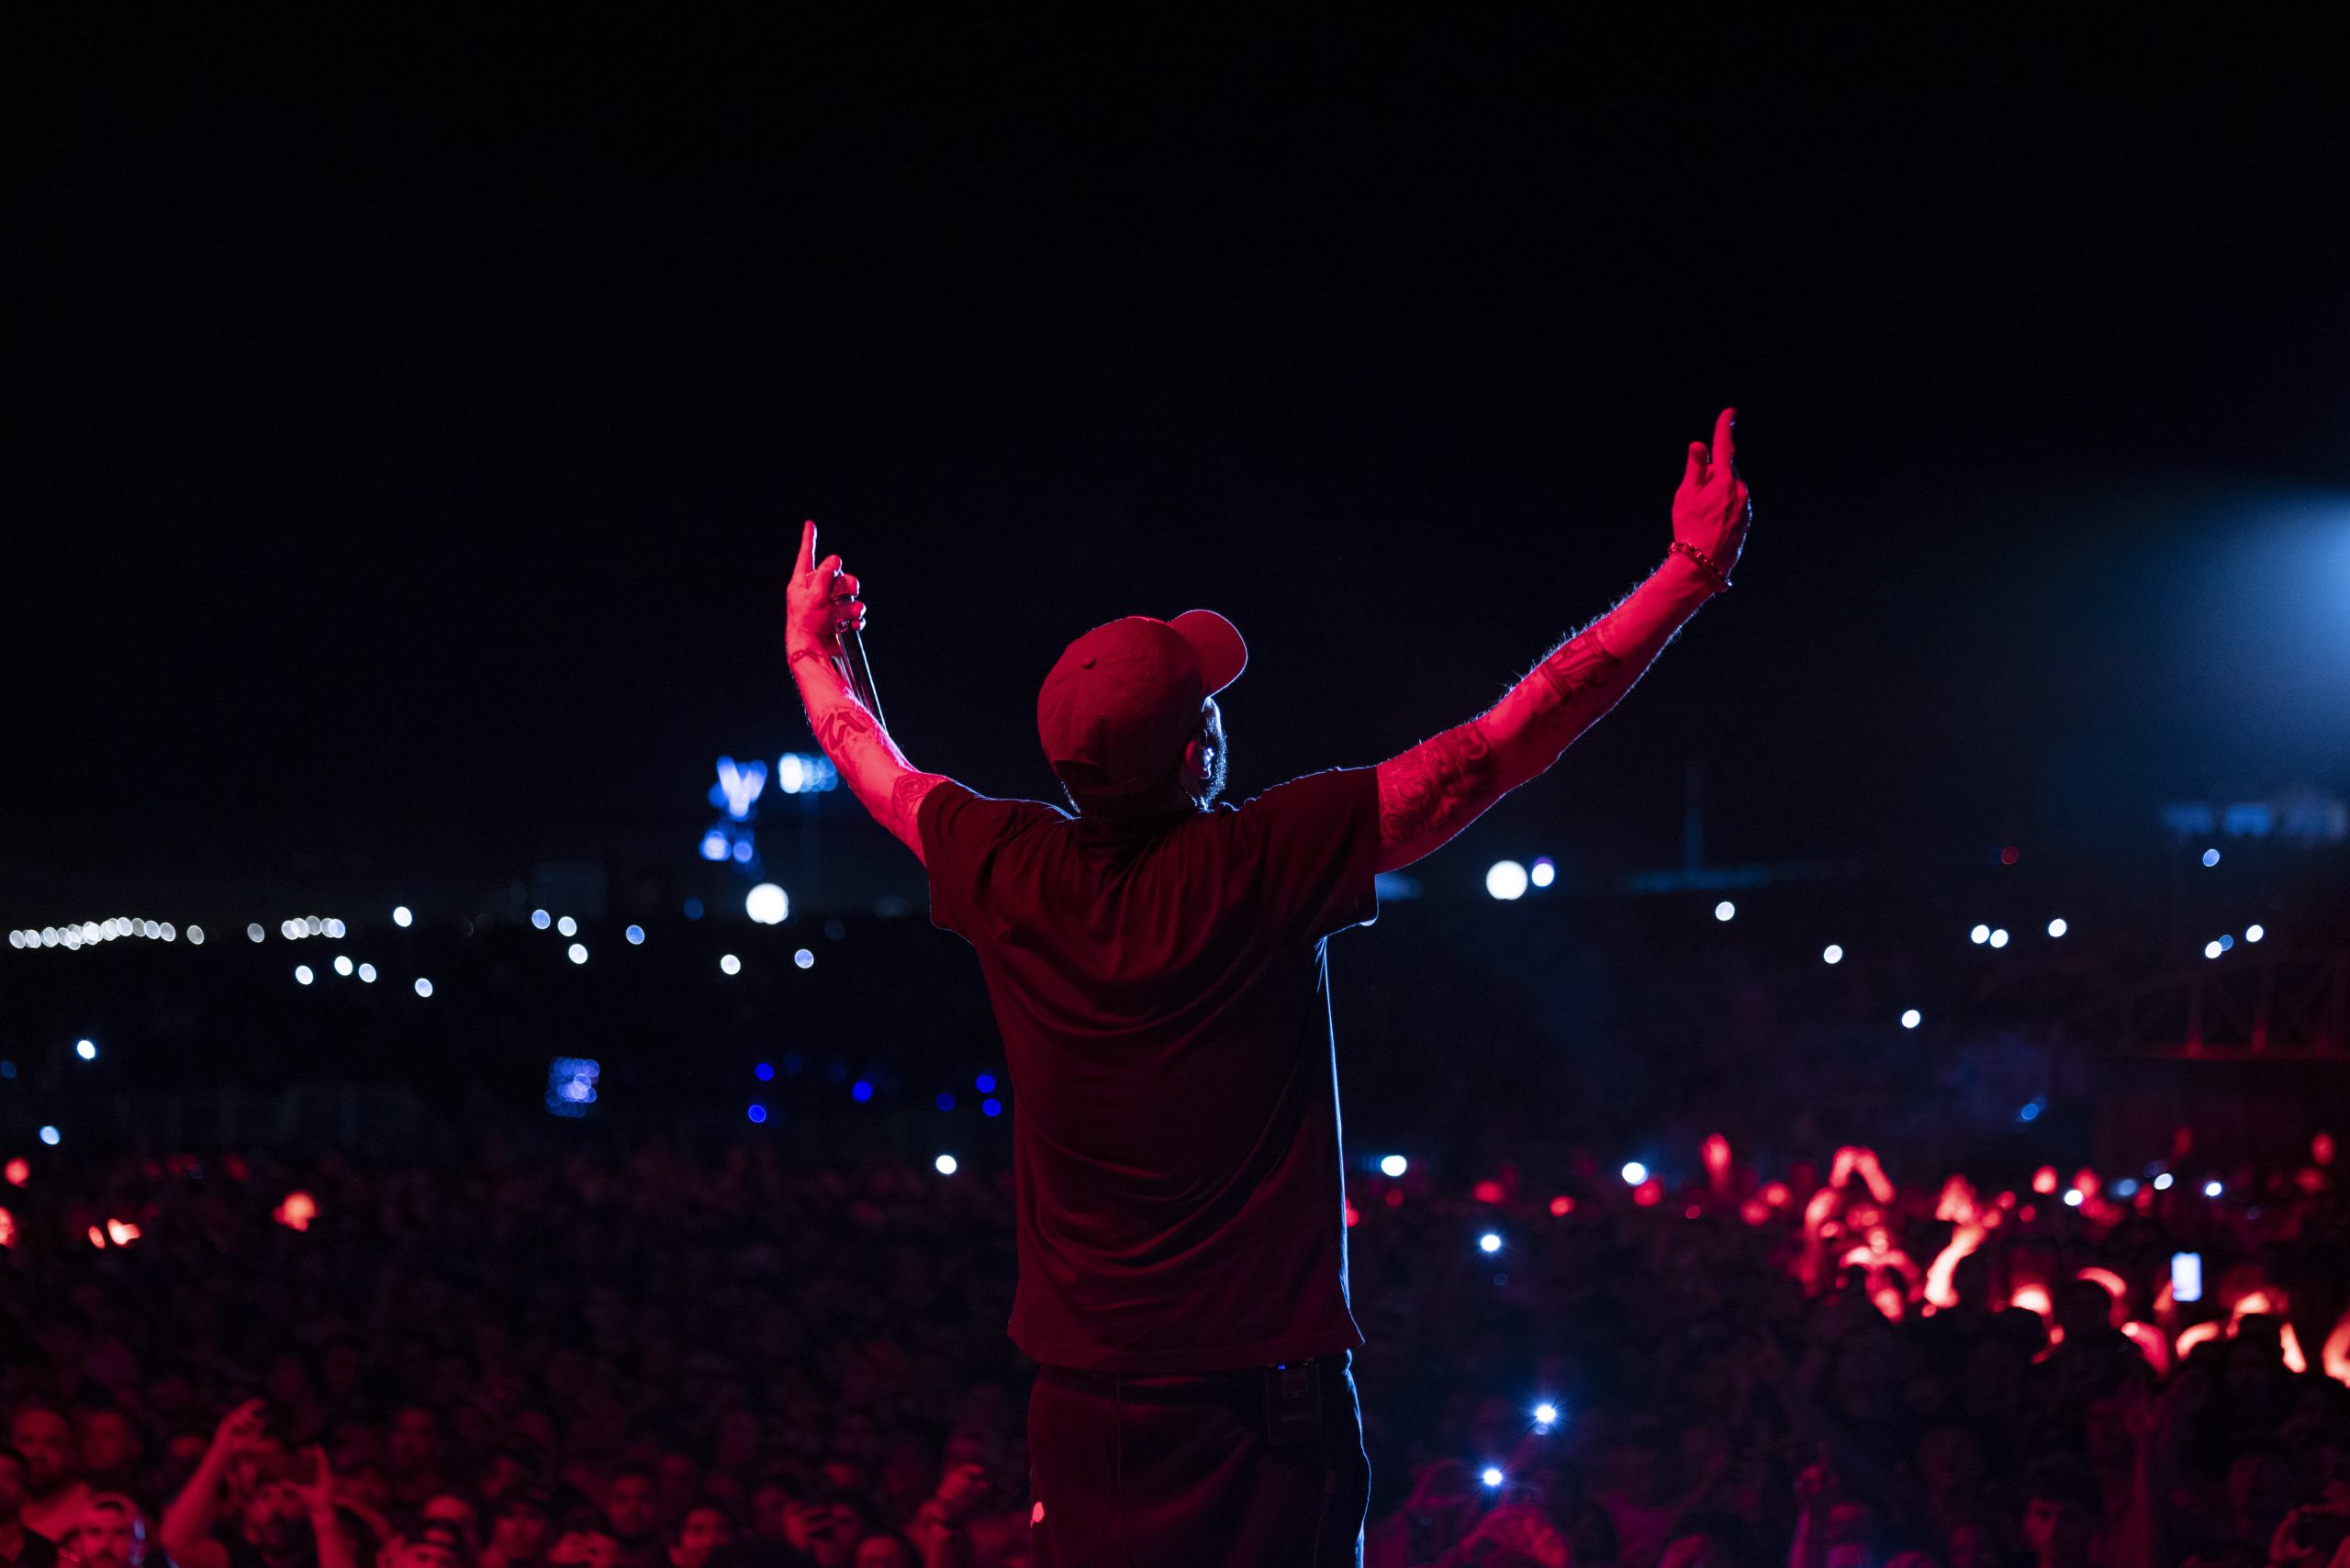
(767, 904)
(1506, 879)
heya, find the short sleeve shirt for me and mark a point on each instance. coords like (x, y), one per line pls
(1166, 1017)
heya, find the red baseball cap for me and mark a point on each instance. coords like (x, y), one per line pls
(1122, 699)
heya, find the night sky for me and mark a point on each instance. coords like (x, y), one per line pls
(405, 424)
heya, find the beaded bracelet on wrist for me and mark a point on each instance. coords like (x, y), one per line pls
(1705, 564)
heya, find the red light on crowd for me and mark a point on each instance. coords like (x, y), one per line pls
(299, 1209)
(1649, 1194)
(1562, 1206)
(1693, 1212)
(7, 1228)
(20, 1170)
(1754, 1211)
(2034, 1298)
(1778, 1195)
(2008, 856)
(2087, 1181)
(121, 1232)
(97, 1238)
(2322, 1149)
(2043, 1181)
(1487, 1191)
(1717, 1153)
(2151, 1345)
(1354, 1217)
(1394, 1197)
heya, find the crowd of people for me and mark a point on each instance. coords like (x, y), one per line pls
(649, 1361)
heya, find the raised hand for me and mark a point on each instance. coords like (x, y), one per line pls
(1711, 510)
(240, 1428)
(821, 602)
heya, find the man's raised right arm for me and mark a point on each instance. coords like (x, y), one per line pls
(1440, 786)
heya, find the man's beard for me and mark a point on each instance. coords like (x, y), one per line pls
(1212, 785)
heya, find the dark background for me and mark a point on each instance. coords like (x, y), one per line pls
(405, 421)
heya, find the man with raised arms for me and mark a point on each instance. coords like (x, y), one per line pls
(1154, 959)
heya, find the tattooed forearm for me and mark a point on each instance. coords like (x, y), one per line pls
(870, 763)
(906, 795)
(1578, 683)
(1437, 785)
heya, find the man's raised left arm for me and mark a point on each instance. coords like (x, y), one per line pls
(823, 602)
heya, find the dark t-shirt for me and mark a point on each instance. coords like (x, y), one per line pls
(1166, 1016)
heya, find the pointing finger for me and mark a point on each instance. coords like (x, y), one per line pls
(1722, 428)
(807, 547)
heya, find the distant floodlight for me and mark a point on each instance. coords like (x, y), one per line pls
(2213, 949)
(253, 933)
(2210, 857)
(945, 1164)
(367, 974)
(1912, 1018)
(578, 953)
(2072, 1197)
(1544, 872)
(1546, 1413)
(334, 928)
(1394, 1165)
(2057, 927)
(87, 1049)
(729, 964)
(2227, 942)
(342, 965)
(302, 974)
(196, 936)
(49, 1136)
(803, 959)
(714, 845)
(1725, 911)
(402, 918)
(540, 918)
(1506, 879)
(2213, 1188)
(2162, 1181)
(767, 904)
(635, 935)
(567, 926)
(2254, 933)
(423, 986)
(1980, 935)
(1831, 953)
(2000, 937)
(1634, 1173)
(1491, 1475)
(1489, 1242)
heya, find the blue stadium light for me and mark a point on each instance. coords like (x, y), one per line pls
(803, 959)
(1546, 1413)
(540, 918)
(714, 845)
(764, 1072)
(635, 935)
(423, 986)
(991, 1107)
(945, 1102)
(743, 850)
(984, 1083)
(2030, 1112)
(2210, 857)
(87, 1049)
(738, 788)
(758, 1112)
(797, 773)
(50, 1136)
(860, 1092)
